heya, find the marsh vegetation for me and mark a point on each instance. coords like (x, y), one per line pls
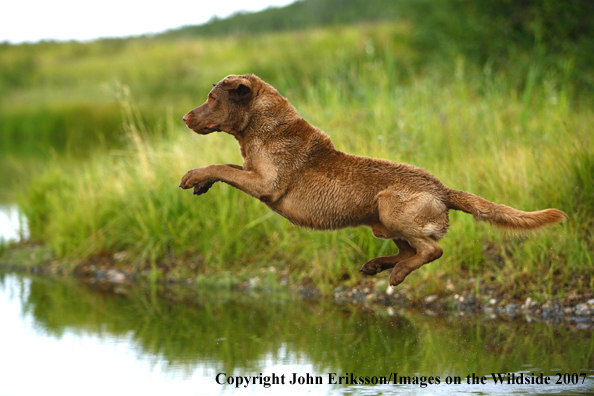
(93, 145)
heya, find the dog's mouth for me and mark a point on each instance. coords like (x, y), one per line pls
(205, 130)
(198, 126)
(209, 128)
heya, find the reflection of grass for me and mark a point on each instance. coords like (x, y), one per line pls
(237, 332)
(529, 148)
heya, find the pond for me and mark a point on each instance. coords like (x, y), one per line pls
(61, 336)
(12, 228)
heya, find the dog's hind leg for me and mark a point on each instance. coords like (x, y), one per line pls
(427, 251)
(379, 264)
(417, 221)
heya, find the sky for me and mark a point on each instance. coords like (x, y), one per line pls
(31, 21)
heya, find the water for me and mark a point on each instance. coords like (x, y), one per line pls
(12, 228)
(63, 337)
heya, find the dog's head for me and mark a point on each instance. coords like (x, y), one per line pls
(227, 108)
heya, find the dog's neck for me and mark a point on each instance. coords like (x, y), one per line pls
(266, 123)
(294, 134)
(264, 133)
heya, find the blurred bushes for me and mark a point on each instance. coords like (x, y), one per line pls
(546, 35)
(296, 16)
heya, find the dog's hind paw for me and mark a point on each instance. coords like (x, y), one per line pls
(398, 275)
(371, 268)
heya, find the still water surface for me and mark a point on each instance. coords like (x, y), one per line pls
(12, 226)
(61, 337)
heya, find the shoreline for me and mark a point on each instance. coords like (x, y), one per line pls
(112, 274)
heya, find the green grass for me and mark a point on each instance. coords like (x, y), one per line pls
(62, 100)
(529, 148)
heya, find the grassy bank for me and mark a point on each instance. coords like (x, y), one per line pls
(528, 147)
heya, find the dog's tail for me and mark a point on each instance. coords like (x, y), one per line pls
(501, 215)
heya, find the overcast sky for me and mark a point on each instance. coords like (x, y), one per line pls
(22, 20)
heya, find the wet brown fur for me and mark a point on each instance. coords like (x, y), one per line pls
(295, 170)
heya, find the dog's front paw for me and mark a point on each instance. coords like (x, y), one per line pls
(191, 178)
(202, 187)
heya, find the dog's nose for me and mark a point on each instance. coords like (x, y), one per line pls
(185, 118)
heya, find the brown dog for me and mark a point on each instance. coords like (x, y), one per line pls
(295, 170)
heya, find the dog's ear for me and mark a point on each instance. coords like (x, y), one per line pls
(239, 89)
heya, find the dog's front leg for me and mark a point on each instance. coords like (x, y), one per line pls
(250, 182)
(195, 178)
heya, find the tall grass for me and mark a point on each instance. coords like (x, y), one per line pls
(530, 149)
(57, 99)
